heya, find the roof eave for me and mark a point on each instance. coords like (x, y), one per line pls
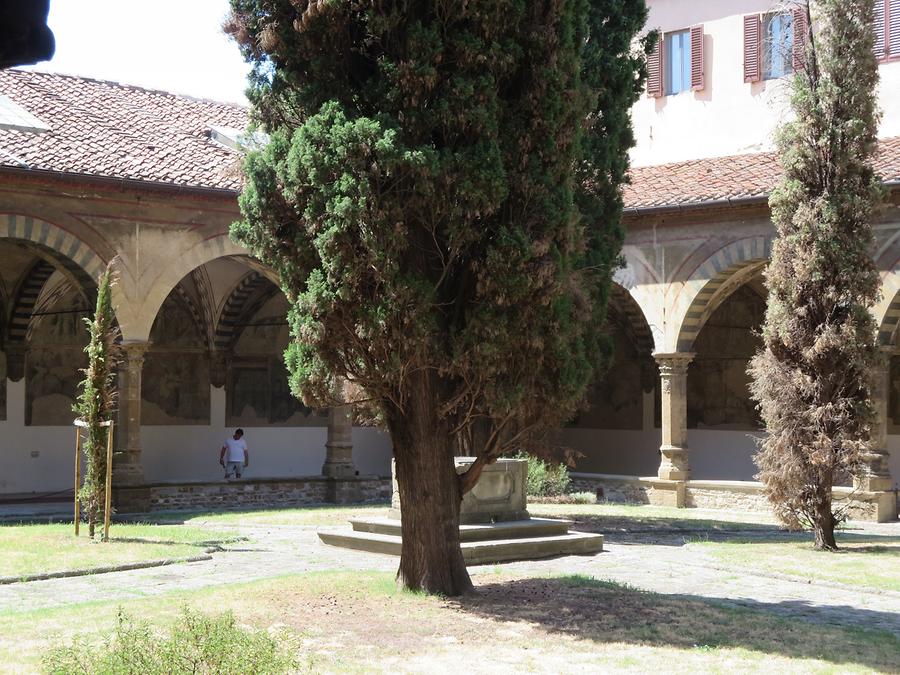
(715, 203)
(121, 183)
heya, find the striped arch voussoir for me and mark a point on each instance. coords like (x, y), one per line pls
(26, 298)
(622, 304)
(711, 276)
(887, 331)
(235, 308)
(76, 257)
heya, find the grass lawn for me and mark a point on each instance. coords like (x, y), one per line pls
(872, 562)
(309, 515)
(37, 549)
(359, 622)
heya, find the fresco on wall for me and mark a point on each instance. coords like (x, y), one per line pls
(53, 363)
(258, 393)
(718, 393)
(175, 378)
(617, 400)
(175, 388)
(2, 387)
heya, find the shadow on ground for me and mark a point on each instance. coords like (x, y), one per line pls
(678, 532)
(606, 612)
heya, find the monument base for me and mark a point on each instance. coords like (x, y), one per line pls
(494, 523)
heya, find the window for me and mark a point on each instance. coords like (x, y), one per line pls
(887, 29)
(777, 45)
(677, 61)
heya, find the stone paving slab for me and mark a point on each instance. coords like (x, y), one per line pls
(669, 569)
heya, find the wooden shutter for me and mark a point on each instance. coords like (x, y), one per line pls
(878, 28)
(655, 70)
(892, 22)
(752, 44)
(800, 28)
(697, 58)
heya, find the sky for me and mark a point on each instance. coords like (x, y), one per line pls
(174, 45)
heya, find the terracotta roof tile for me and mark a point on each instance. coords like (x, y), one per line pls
(732, 177)
(120, 131)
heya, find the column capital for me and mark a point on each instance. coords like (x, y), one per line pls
(134, 351)
(674, 359)
(673, 364)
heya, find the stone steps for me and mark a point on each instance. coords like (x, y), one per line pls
(511, 529)
(481, 544)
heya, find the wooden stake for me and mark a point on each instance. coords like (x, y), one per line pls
(106, 507)
(77, 476)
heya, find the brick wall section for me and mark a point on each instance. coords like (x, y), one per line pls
(724, 495)
(726, 498)
(268, 493)
(630, 491)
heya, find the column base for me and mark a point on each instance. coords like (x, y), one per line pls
(880, 506)
(673, 464)
(873, 483)
(127, 469)
(669, 493)
(339, 461)
(339, 470)
(340, 491)
(131, 499)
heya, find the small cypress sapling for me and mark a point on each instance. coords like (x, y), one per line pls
(96, 402)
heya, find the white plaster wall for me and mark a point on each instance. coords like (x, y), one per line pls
(191, 453)
(34, 459)
(721, 455)
(728, 116)
(175, 453)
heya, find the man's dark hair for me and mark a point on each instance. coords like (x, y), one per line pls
(239, 431)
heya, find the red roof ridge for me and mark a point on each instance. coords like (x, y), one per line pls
(126, 85)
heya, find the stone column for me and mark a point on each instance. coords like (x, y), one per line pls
(674, 463)
(875, 476)
(127, 468)
(339, 446)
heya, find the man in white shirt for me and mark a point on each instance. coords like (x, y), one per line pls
(234, 454)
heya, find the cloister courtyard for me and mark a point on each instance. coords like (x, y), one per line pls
(674, 590)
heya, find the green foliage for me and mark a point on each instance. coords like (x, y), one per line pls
(196, 643)
(441, 200)
(582, 497)
(96, 402)
(545, 479)
(441, 195)
(812, 377)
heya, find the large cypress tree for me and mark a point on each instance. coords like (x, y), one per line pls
(440, 197)
(812, 377)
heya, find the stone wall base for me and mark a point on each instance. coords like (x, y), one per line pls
(264, 493)
(720, 494)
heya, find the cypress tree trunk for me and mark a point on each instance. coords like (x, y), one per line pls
(431, 559)
(823, 520)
